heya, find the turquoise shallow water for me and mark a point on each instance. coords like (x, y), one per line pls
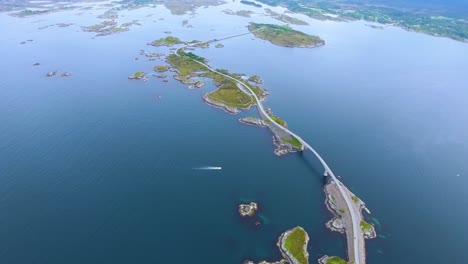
(96, 168)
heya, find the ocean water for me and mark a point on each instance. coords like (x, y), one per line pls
(95, 168)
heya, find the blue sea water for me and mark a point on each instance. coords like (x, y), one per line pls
(95, 168)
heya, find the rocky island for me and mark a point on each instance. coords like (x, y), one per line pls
(331, 260)
(285, 18)
(161, 68)
(285, 36)
(52, 73)
(242, 13)
(108, 27)
(248, 209)
(342, 222)
(168, 41)
(228, 96)
(253, 121)
(255, 79)
(139, 75)
(293, 247)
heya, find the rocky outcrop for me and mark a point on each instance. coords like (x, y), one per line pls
(248, 209)
(253, 121)
(138, 76)
(286, 254)
(52, 73)
(282, 261)
(199, 84)
(213, 103)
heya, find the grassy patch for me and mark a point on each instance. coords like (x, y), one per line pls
(192, 56)
(281, 122)
(336, 260)
(258, 91)
(293, 141)
(355, 199)
(294, 244)
(161, 68)
(186, 66)
(230, 95)
(341, 210)
(137, 75)
(366, 226)
(118, 29)
(101, 26)
(284, 35)
(255, 79)
(167, 41)
(293, 20)
(244, 13)
(228, 92)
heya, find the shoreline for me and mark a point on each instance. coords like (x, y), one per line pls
(341, 221)
(216, 104)
(281, 245)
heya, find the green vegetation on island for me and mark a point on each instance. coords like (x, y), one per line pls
(161, 68)
(192, 56)
(366, 226)
(185, 66)
(355, 199)
(285, 18)
(108, 27)
(26, 12)
(227, 94)
(285, 36)
(245, 2)
(242, 13)
(426, 20)
(255, 79)
(278, 120)
(293, 141)
(167, 41)
(100, 26)
(181, 7)
(295, 244)
(293, 20)
(336, 260)
(219, 45)
(137, 76)
(109, 14)
(29, 12)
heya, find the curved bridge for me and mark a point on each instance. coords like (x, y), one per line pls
(358, 256)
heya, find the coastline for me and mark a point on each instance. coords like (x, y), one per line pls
(286, 254)
(341, 221)
(288, 258)
(216, 104)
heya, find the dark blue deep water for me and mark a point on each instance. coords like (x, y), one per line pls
(95, 168)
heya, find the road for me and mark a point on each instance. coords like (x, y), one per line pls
(357, 256)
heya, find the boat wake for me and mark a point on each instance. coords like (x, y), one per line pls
(208, 168)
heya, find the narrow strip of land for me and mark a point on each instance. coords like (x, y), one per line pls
(356, 249)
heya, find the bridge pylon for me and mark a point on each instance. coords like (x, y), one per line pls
(325, 174)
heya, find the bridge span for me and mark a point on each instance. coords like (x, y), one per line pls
(357, 256)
